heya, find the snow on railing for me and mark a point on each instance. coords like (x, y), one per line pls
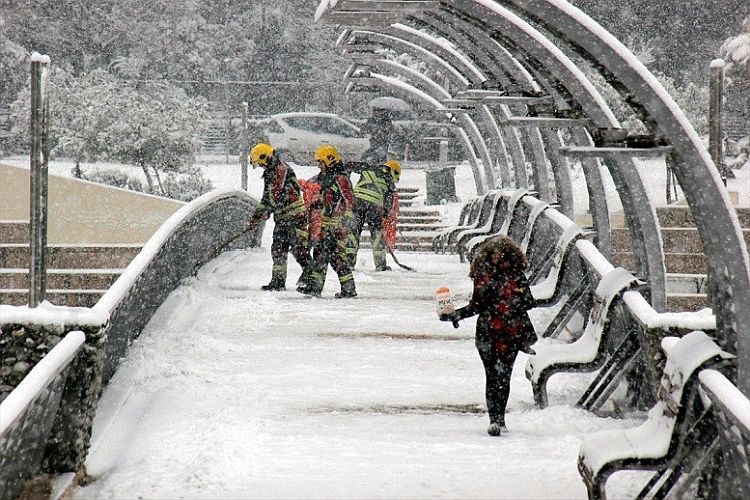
(27, 415)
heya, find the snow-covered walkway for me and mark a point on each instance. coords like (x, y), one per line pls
(234, 392)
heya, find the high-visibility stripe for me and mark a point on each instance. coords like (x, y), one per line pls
(295, 208)
(345, 278)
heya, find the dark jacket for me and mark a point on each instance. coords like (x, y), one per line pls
(501, 297)
(282, 195)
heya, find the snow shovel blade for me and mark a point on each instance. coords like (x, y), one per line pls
(402, 266)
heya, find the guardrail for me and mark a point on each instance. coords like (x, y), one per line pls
(195, 234)
(28, 413)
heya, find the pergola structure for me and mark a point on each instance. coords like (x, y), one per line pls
(517, 79)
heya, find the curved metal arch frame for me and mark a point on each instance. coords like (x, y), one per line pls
(728, 261)
(717, 223)
(643, 224)
(413, 93)
(393, 42)
(459, 61)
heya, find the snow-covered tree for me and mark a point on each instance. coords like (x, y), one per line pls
(736, 53)
(98, 116)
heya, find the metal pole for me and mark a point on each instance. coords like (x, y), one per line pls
(228, 129)
(715, 133)
(244, 148)
(38, 181)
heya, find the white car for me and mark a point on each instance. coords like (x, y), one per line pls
(296, 136)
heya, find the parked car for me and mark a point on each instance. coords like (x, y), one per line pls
(297, 135)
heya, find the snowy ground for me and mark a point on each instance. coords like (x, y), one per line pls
(231, 392)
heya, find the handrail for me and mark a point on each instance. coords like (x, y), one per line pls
(35, 399)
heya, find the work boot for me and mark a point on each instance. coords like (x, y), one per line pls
(308, 290)
(345, 294)
(347, 290)
(274, 286)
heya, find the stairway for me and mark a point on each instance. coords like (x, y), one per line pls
(416, 225)
(77, 275)
(684, 256)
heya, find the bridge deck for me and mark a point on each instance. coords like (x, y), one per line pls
(234, 392)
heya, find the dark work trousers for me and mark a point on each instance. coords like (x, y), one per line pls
(373, 216)
(289, 236)
(497, 371)
(331, 250)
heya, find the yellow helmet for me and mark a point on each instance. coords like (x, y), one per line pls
(261, 154)
(395, 169)
(327, 154)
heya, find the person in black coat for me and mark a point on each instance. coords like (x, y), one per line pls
(501, 297)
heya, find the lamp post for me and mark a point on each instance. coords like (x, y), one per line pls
(38, 179)
(244, 148)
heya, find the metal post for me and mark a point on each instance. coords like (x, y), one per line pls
(715, 132)
(244, 148)
(227, 131)
(38, 180)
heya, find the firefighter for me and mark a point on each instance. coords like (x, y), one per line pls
(390, 223)
(282, 198)
(336, 199)
(373, 201)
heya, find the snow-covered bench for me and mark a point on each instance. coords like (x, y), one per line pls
(589, 351)
(486, 225)
(731, 409)
(644, 328)
(479, 213)
(468, 212)
(501, 221)
(677, 433)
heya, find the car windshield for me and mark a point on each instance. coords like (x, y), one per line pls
(322, 124)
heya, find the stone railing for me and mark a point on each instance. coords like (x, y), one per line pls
(194, 235)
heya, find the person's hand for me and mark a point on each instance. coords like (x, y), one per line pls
(450, 317)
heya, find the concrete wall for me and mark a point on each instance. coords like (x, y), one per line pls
(82, 212)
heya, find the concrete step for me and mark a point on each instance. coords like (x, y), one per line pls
(115, 256)
(676, 240)
(679, 302)
(686, 283)
(680, 216)
(408, 190)
(678, 263)
(436, 228)
(71, 298)
(419, 212)
(14, 231)
(418, 219)
(64, 279)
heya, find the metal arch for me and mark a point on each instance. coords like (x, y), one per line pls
(410, 92)
(517, 74)
(451, 28)
(459, 61)
(505, 161)
(717, 223)
(505, 136)
(602, 221)
(512, 140)
(388, 40)
(643, 225)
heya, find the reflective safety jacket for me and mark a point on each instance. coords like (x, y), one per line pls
(311, 193)
(337, 198)
(282, 195)
(375, 187)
